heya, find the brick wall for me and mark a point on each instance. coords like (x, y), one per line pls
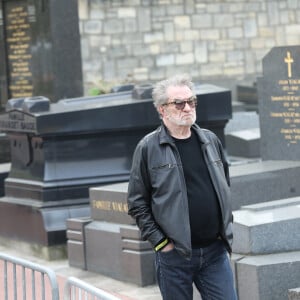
(148, 40)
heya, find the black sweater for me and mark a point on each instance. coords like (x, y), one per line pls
(204, 208)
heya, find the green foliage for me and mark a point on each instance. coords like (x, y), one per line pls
(100, 86)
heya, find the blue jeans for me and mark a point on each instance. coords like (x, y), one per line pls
(209, 269)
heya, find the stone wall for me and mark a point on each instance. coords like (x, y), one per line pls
(145, 41)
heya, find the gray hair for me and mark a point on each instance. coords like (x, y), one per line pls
(159, 93)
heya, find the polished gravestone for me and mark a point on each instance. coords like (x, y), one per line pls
(267, 227)
(247, 94)
(39, 49)
(60, 150)
(279, 104)
(243, 143)
(261, 181)
(267, 238)
(242, 135)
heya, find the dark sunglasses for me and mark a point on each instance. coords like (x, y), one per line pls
(180, 104)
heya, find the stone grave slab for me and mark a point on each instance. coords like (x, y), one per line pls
(263, 181)
(267, 240)
(279, 104)
(242, 121)
(243, 143)
(267, 227)
(268, 277)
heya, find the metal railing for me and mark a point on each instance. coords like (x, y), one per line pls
(23, 279)
(76, 289)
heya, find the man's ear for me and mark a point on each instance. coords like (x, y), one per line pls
(161, 110)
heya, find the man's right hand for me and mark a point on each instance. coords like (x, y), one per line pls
(168, 247)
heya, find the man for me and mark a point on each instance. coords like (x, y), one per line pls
(179, 195)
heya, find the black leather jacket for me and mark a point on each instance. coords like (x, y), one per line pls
(157, 196)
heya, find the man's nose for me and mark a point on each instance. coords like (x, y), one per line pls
(187, 106)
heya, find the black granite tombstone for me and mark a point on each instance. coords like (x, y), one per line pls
(39, 49)
(214, 108)
(279, 104)
(247, 95)
(60, 150)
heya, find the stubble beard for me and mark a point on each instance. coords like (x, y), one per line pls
(183, 121)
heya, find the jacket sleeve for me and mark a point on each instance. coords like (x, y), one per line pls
(226, 166)
(139, 197)
(224, 161)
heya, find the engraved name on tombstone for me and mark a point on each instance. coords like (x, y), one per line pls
(279, 104)
(39, 50)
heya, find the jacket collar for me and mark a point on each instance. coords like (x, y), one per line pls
(165, 137)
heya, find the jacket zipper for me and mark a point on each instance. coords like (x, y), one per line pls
(185, 203)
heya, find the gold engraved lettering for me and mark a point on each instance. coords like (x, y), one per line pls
(21, 95)
(294, 81)
(110, 205)
(18, 39)
(23, 87)
(283, 82)
(118, 206)
(103, 205)
(289, 99)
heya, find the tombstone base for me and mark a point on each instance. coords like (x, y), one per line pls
(266, 227)
(264, 181)
(267, 277)
(116, 250)
(37, 223)
(76, 242)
